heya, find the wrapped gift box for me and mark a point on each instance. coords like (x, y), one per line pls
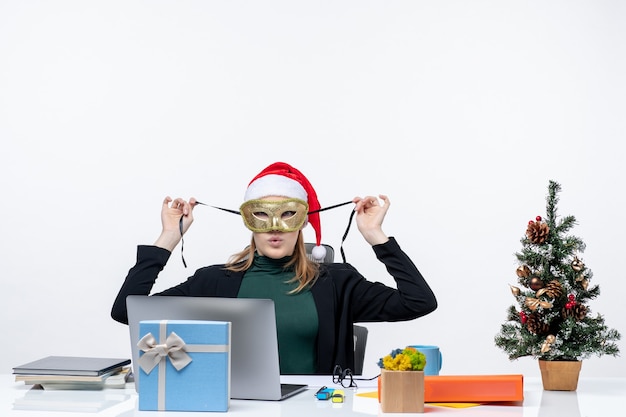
(184, 365)
(470, 388)
(474, 388)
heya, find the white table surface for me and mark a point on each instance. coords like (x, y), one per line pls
(595, 397)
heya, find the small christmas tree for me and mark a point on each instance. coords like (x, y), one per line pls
(552, 320)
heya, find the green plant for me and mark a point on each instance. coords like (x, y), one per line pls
(552, 319)
(407, 359)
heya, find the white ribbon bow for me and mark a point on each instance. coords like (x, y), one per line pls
(174, 348)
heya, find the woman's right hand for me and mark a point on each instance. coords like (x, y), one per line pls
(171, 213)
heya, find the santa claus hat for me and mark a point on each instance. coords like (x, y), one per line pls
(281, 179)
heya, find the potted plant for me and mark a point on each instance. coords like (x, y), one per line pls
(401, 382)
(551, 320)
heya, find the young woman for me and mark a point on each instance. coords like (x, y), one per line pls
(316, 304)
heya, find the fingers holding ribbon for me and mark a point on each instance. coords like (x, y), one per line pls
(370, 203)
(369, 217)
(175, 211)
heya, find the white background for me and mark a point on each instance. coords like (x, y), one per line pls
(460, 111)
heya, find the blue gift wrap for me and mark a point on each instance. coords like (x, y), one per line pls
(184, 365)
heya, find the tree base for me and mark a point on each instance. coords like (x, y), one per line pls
(560, 375)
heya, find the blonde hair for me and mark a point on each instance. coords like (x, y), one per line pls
(306, 270)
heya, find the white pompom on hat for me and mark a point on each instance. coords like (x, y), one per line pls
(281, 179)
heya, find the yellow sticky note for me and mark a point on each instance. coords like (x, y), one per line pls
(374, 394)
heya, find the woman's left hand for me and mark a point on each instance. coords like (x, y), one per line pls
(369, 217)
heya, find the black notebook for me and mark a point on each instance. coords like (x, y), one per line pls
(71, 365)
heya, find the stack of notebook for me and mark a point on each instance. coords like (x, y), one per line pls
(74, 372)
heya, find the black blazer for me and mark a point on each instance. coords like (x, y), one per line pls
(342, 296)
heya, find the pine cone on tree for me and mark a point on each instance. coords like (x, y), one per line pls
(536, 325)
(578, 312)
(553, 289)
(537, 232)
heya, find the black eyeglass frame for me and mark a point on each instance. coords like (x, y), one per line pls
(340, 375)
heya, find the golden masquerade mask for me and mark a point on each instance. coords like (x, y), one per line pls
(262, 216)
(281, 215)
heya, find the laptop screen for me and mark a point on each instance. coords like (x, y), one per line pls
(255, 371)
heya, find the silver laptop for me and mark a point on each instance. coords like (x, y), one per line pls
(255, 370)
